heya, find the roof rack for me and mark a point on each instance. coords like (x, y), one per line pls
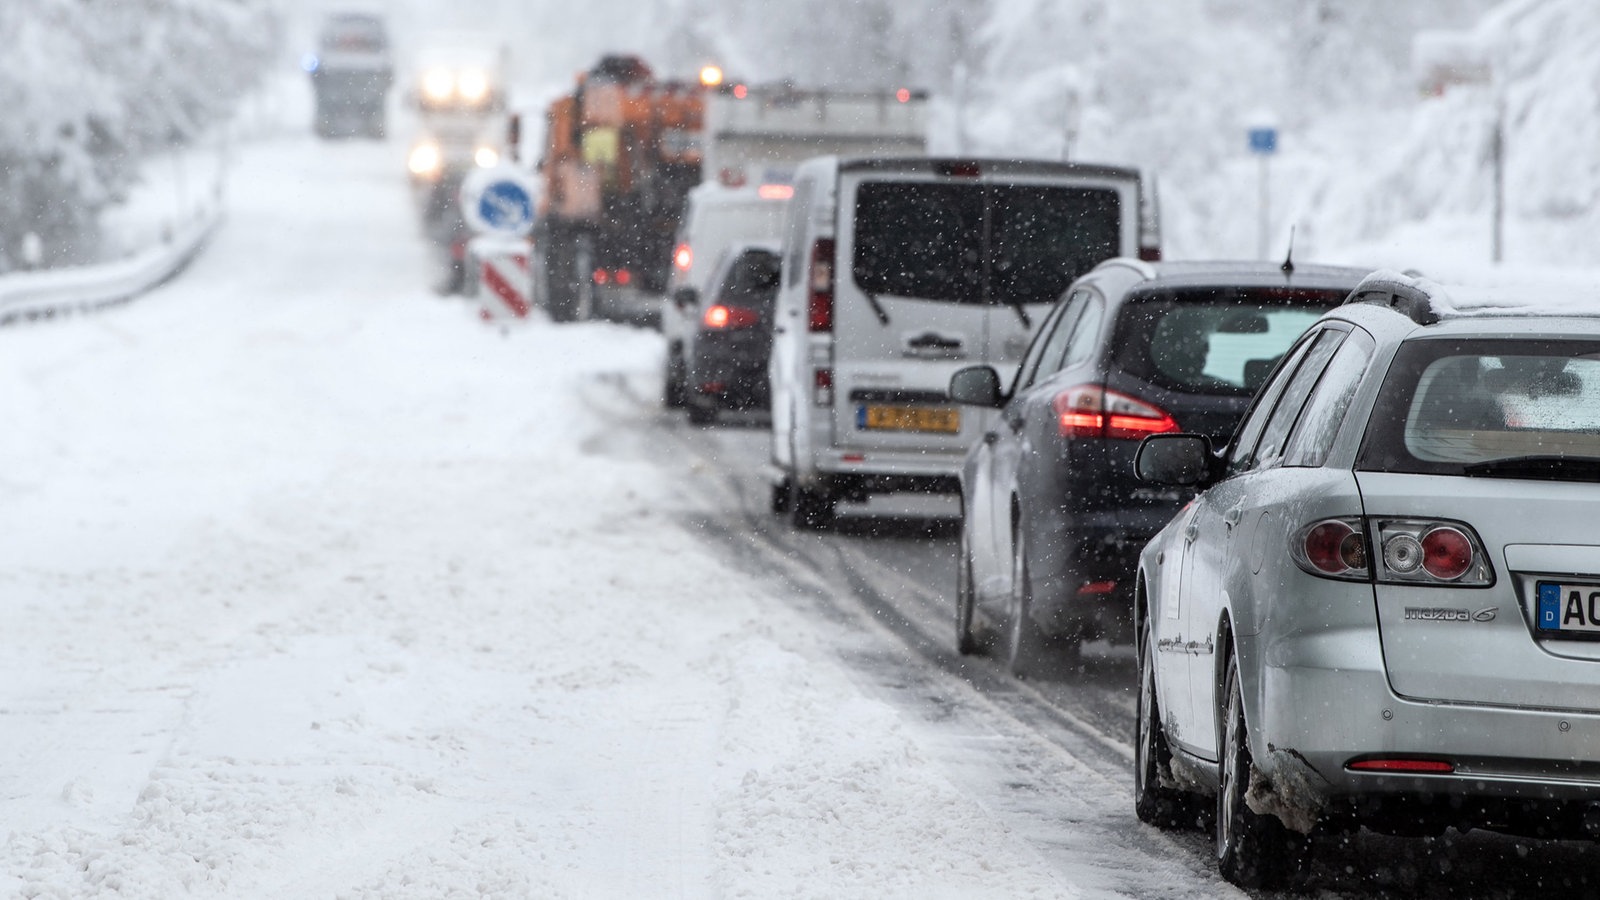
(1399, 293)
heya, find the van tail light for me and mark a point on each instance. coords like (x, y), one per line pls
(1091, 411)
(727, 318)
(624, 277)
(820, 308)
(683, 257)
(1150, 254)
(1407, 551)
(601, 276)
(822, 387)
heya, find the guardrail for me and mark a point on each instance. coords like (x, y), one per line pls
(47, 293)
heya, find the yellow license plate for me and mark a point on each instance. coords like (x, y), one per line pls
(943, 419)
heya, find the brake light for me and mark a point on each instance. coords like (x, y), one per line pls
(741, 91)
(721, 317)
(601, 276)
(1334, 547)
(775, 191)
(1091, 411)
(1403, 766)
(683, 257)
(903, 95)
(959, 168)
(822, 387)
(624, 277)
(820, 307)
(1150, 254)
(1426, 551)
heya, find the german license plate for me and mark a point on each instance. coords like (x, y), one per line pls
(1569, 608)
(875, 417)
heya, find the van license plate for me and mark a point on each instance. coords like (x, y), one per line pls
(942, 419)
(1570, 609)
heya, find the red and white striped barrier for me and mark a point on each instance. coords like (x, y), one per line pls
(504, 282)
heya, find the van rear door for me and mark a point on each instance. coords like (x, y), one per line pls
(943, 264)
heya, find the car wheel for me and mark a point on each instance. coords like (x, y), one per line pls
(811, 509)
(672, 389)
(1253, 851)
(1024, 641)
(966, 642)
(1154, 803)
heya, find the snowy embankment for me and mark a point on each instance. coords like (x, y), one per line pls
(314, 586)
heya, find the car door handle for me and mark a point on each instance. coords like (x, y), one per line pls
(1233, 515)
(991, 436)
(1015, 422)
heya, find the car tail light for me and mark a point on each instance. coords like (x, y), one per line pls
(1150, 254)
(720, 317)
(775, 191)
(624, 277)
(1429, 551)
(601, 276)
(822, 387)
(1409, 551)
(683, 257)
(820, 307)
(1091, 411)
(1335, 548)
(1402, 766)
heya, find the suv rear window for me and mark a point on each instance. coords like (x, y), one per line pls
(928, 239)
(1218, 341)
(1486, 407)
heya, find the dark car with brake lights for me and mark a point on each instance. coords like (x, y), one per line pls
(1053, 518)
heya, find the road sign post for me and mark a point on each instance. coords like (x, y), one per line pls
(1264, 143)
(498, 204)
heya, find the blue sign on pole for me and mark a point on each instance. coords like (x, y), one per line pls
(1264, 141)
(505, 206)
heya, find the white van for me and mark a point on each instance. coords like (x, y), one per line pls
(898, 272)
(716, 218)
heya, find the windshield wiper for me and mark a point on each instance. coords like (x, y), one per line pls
(877, 307)
(1021, 313)
(1549, 468)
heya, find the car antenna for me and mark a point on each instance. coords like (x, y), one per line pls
(1288, 258)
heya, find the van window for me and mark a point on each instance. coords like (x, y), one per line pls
(977, 243)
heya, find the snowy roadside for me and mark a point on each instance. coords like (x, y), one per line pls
(314, 587)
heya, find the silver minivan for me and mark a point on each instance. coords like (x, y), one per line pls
(898, 272)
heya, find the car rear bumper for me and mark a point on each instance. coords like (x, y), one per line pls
(859, 472)
(1326, 703)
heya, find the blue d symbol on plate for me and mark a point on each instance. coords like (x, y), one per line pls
(505, 205)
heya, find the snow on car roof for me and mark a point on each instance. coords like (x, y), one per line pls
(1509, 291)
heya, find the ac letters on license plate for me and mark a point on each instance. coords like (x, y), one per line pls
(876, 417)
(1569, 608)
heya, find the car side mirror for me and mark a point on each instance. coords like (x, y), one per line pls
(686, 297)
(977, 386)
(1175, 459)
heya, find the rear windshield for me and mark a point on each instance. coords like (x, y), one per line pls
(928, 239)
(751, 281)
(1455, 407)
(1219, 341)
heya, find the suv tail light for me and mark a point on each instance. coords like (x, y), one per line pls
(683, 257)
(820, 308)
(721, 318)
(1090, 411)
(822, 387)
(1409, 551)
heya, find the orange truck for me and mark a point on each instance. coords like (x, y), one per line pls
(620, 155)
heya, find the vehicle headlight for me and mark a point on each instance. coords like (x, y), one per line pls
(425, 159)
(486, 157)
(473, 85)
(438, 85)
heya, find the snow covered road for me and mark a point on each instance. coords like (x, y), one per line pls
(313, 586)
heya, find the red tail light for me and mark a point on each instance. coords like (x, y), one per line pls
(624, 277)
(683, 257)
(903, 95)
(1446, 553)
(721, 317)
(1403, 766)
(1336, 547)
(1428, 551)
(820, 308)
(601, 276)
(822, 387)
(1150, 254)
(1091, 411)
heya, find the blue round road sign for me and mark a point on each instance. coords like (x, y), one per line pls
(498, 201)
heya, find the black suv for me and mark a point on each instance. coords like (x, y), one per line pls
(1052, 516)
